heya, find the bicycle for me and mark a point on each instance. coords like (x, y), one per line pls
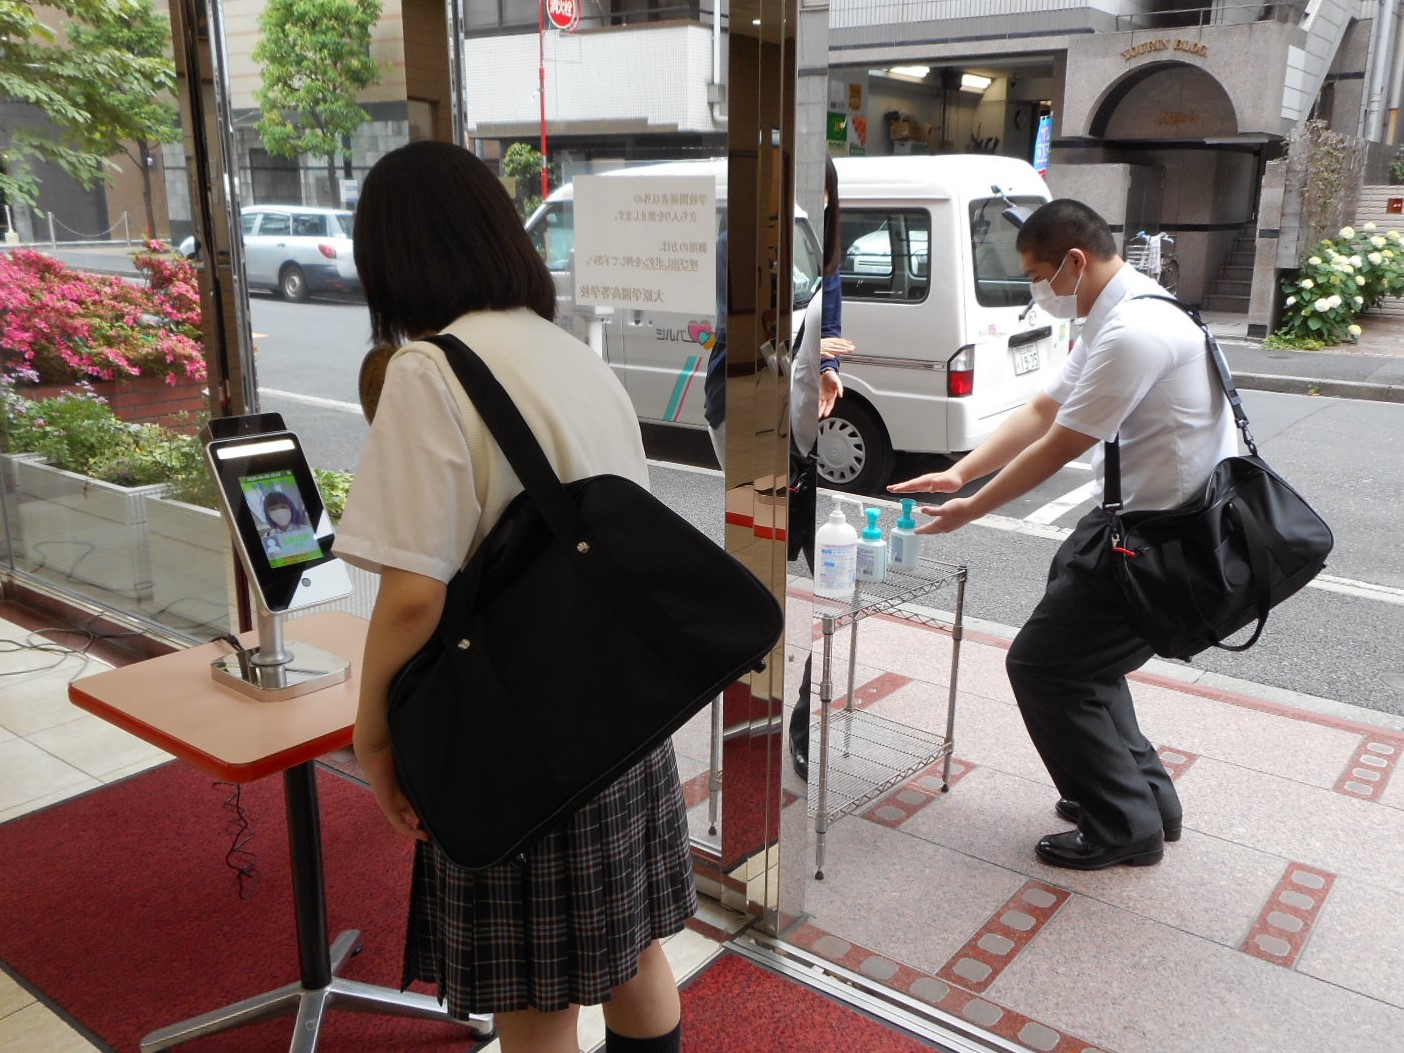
(1153, 255)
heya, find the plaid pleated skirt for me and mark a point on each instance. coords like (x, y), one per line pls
(568, 920)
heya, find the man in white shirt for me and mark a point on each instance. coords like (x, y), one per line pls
(1139, 371)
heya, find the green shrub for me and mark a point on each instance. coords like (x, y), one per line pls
(1282, 341)
(79, 433)
(1343, 277)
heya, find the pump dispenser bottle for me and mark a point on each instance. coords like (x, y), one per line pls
(836, 556)
(904, 542)
(872, 550)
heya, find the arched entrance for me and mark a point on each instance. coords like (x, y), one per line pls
(1191, 173)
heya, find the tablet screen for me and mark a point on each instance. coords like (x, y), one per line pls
(280, 525)
(281, 518)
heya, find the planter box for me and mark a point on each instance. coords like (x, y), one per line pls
(192, 568)
(78, 532)
(141, 400)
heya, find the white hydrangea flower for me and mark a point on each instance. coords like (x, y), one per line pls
(1370, 225)
(1379, 242)
(1392, 235)
(1354, 330)
(1333, 302)
(1360, 279)
(1359, 301)
(1322, 304)
(1345, 268)
(1315, 261)
(1291, 300)
(1375, 258)
(1347, 232)
(1355, 261)
(1307, 283)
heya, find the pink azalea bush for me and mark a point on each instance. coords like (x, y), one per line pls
(64, 326)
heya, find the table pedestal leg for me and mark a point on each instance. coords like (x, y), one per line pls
(320, 989)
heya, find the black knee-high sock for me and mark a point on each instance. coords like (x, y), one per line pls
(669, 1043)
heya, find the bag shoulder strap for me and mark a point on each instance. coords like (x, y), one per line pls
(512, 433)
(1111, 476)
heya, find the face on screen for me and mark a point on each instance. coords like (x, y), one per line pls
(280, 517)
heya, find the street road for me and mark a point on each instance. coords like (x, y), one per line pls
(1339, 638)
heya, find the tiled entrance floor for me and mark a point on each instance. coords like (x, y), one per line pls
(1277, 922)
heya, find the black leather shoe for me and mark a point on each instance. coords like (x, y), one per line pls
(799, 750)
(1072, 812)
(1074, 851)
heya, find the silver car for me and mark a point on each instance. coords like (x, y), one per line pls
(295, 250)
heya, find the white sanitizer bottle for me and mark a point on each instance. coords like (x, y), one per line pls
(872, 550)
(836, 556)
(904, 542)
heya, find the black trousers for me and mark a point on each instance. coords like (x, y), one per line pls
(1068, 668)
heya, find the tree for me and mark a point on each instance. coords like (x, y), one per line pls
(316, 60)
(522, 164)
(74, 90)
(139, 115)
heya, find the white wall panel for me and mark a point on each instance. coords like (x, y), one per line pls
(648, 77)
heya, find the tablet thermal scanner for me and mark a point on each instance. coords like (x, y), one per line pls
(284, 539)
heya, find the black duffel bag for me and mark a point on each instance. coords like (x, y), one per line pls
(590, 624)
(1194, 575)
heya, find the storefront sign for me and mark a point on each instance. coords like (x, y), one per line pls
(563, 14)
(646, 243)
(1151, 47)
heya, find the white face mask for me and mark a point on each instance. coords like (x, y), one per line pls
(281, 517)
(1052, 304)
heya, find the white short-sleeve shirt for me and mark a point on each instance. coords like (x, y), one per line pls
(431, 483)
(1140, 369)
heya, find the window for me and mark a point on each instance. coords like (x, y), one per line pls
(247, 221)
(275, 223)
(886, 254)
(343, 223)
(999, 276)
(309, 225)
(808, 264)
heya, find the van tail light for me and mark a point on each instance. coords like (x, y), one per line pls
(329, 251)
(960, 373)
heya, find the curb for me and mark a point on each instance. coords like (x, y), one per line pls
(1340, 389)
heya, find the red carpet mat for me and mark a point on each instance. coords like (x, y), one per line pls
(118, 908)
(737, 1006)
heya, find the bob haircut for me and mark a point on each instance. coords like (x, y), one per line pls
(437, 237)
(833, 239)
(1061, 225)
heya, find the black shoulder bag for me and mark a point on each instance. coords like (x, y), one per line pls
(1195, 575)
(590, 624)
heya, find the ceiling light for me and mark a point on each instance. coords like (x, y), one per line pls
(974, 82)
(915, 72)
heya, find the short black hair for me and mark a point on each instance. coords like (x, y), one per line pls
(833, 242)
(1061, 225)
(437, 236)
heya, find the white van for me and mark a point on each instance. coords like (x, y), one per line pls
(934, 300)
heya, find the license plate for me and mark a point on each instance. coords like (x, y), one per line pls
(1025, 360)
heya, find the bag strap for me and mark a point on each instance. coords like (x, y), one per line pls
(507, 425)
(1111, 474)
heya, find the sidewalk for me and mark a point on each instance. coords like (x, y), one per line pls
(1277, 922)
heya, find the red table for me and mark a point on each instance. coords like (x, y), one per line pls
(173, 703)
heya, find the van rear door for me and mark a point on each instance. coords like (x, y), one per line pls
(1016, 348)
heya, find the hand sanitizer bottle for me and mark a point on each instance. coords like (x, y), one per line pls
(836, 551)
(905, 543)
(872, 550)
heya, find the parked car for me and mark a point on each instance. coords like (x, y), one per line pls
(294, 250)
